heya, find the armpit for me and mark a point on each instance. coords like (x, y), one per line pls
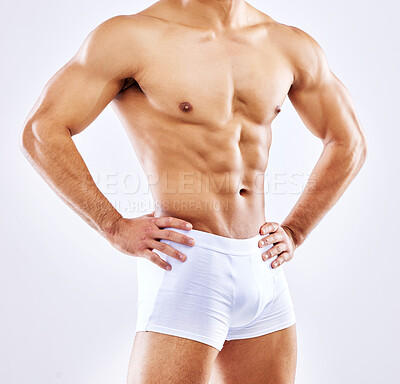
(130, 82)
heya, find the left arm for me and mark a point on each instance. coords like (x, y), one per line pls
(326, 108)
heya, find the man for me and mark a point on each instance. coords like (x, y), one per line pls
(197, 85)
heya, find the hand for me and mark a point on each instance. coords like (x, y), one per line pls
(283, 243)
(139, 236)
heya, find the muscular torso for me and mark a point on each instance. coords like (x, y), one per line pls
(198, 112)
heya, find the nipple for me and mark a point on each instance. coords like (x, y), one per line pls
(277, 109)
(185, 106)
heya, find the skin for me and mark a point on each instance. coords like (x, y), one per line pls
(197, 84)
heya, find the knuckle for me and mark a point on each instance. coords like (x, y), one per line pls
(143, 237)
(162, 246)
(145, 232)
(170, 220)
(168, 234)
(142, 245)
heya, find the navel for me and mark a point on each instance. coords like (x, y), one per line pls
(185, 106)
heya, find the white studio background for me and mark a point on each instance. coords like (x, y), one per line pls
(68, 299)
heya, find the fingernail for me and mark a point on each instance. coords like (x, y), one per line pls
(276, 265)
(168, 267)
(182, 257)
(189, 226)
(261, 243)
(191, 242)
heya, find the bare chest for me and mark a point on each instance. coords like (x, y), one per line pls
(202, 78)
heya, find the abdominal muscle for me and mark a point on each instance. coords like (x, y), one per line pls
(213, 186)
(211, 175)
(225, 208)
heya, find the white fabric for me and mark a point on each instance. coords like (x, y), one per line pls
(223, 291)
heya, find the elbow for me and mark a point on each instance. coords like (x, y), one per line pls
(33, 139)
(27, 140)
(37, 137)
(352, 151)
(361, 150)
(357, 151)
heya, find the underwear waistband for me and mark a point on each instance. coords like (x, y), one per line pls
(222, 244)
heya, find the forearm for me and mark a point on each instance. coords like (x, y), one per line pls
(338, 165)
(54, 155)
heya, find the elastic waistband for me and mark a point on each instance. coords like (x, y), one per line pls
(228, 245)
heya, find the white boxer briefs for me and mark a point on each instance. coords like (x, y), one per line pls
(222, 291)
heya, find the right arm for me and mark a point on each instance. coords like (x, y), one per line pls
(70, 102)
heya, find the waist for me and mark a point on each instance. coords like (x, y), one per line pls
(223, 244)
(235, 222)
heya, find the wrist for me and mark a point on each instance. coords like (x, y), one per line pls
(109, 225)
(295, 236)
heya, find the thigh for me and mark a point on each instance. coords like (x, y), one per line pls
(267, 359)
(166, 359)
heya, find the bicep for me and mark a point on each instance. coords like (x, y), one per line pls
(323, 103)
(73, 98)
(83, 87)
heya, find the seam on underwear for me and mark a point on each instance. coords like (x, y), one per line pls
(282, 325)
(254, 320)
(259, 291)
(275, 280)
(234, 290)
(182, 332)
(219, 250)
(156, 296)
(277, 275)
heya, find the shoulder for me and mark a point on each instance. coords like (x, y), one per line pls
(305, 56)
(302, 45)
(293, 41)
(116, 32)
(123, 26)
(117, 40)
